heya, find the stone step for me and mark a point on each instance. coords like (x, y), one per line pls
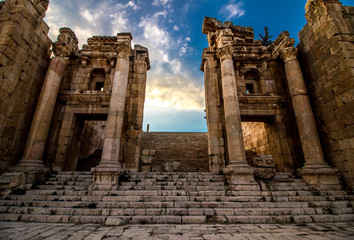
(175, 219)
(171, 211)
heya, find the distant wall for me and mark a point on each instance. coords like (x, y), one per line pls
(24, 57)
(326, 56)
(190, 149)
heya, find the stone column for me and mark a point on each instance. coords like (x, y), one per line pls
(136, 109)
(238, 172)
(315, 172)
(32, 160)
(106, 174)
(213, 113)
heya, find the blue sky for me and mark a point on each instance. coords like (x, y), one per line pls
(172, 30)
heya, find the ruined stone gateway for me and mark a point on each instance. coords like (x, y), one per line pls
(279, 146)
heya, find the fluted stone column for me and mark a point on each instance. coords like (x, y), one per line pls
(238, 172)
(106, 174)
(315, 172)
(32, 160)
(214, 121)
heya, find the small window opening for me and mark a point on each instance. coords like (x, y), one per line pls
(99, 86)
(249, 88)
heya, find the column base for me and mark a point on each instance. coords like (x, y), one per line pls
(106, 178)
(34, 170)
(240, 177)
(320, 176)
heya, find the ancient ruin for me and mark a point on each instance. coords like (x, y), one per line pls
(279, 146)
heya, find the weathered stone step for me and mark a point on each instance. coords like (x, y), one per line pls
(175, 219)
(170, 211)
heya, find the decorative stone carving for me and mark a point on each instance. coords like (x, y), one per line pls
(225, 53)
(10, 180)
(264, 164)
(66, 45)
(288, 54)
(124, 50)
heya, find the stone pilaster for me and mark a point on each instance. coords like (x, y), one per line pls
(106, 174)
(135, 109)
(213, 114)
(315, 172)
(32, 160)
(238, 172)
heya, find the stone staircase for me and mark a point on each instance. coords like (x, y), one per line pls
(174, 197)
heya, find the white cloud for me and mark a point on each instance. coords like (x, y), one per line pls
(157, 36)
(175, 27)
(188, 39)
(132, 5)
(161, 2)
(233, 9)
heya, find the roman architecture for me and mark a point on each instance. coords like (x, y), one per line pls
(279, 146)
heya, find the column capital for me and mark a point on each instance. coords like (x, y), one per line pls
(124, 50)
(225, 53)
(288, 54)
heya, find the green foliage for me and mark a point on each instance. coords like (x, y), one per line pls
(266, 39)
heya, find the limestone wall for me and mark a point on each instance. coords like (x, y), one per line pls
(24, 57)
(190, 149)
(326, 55)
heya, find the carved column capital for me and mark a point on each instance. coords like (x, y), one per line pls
(288, 54)
(124, 50)
(225, 53)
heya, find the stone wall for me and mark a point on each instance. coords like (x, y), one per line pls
(326, 56)
(262, 137)
(190, 149)
(24, 58)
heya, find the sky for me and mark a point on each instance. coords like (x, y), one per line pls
(172, 31)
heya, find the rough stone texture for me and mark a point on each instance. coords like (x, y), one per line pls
(190, 149)
(264, 164)
(12, 180)
(85, 96)
(24, 58)
(262, 98)
(241, 231)
(326, 57)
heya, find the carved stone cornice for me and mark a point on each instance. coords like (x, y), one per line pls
(225, 53)
(124, 50)
(288, 54)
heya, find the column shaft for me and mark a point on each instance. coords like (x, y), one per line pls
(214, 121)
(237, 171)
(315, 172)
(114, 126)
(310, 142)
(106, 174)
(233, 125)
(35, 145)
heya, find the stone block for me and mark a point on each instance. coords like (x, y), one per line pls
(11, 180)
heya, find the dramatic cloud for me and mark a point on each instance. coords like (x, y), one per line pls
(173, 88)
(232, 10)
